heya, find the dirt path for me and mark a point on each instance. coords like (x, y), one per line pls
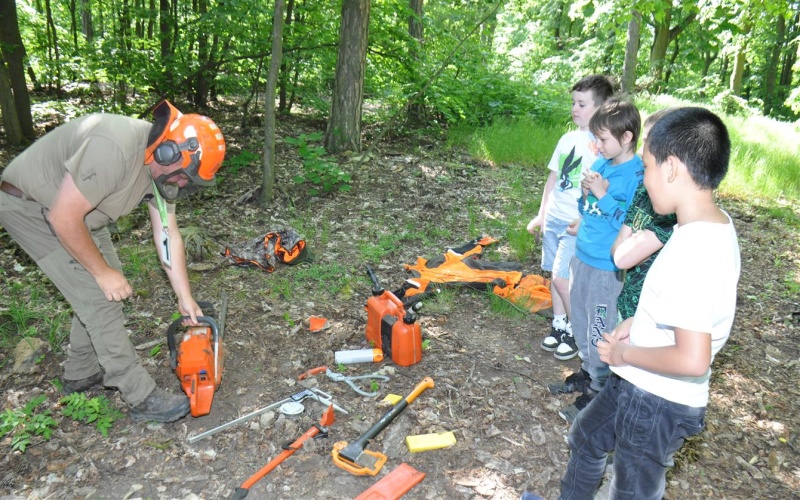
(489, 373)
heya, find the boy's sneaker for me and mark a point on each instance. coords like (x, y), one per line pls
(570, 413)
(551, 342)
(577, 382)
(161, 406)
(567, 349)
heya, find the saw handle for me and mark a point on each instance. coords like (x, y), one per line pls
(173, 348)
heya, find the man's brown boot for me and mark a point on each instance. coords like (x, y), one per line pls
(83, 384)
(161, 406)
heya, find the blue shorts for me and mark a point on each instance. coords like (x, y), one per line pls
(558, 247)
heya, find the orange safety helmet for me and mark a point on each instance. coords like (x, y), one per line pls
(193, 142)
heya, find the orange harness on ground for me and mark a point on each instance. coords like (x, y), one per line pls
(462, 266)
(284, 246)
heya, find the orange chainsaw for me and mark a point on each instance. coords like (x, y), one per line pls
(199, 358)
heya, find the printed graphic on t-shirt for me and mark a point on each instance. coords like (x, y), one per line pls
(598, 323)
(590, 206)
(570, 174)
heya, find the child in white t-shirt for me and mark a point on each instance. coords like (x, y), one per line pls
(574, 154)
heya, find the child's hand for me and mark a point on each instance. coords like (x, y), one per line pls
(535, 227)
(573, 227)
(615, 343)
(595, 183)
(611, 348)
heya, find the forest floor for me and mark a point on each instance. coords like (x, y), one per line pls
(490, 374)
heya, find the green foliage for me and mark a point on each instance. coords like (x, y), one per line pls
(27, 310)
(96, 410)
(426, 344)
(374, 386)
(23, 424)
(234, 163)
(331, 278)
(318, 171)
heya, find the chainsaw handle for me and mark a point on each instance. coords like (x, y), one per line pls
(173, 348)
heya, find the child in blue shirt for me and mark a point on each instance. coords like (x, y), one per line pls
(595, 281)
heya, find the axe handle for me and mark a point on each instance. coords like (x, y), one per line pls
(355, 448)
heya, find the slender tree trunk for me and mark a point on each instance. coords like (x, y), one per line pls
(201, 82)
(344, 123)
(73, 25)
(13, 52)
(14, 135)
(286, 66)
(631, 53)
(672, 59)
(772, 67)
(416, 32)
(268, 175)
(53, 38)
(86, 20)
(660, 43)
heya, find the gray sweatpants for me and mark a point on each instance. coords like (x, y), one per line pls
(98, 337)
(593, 301)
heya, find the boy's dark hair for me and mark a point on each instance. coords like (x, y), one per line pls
(698, 138)
(601, 87)
(618, 116)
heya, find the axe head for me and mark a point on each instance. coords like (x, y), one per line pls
(365, 462)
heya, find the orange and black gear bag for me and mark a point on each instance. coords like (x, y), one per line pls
(284, 246)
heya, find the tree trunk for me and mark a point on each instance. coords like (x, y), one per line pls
(344, 124)
(53, 39)
(86, 20)
(202, 85)
(268, 174)
(771, 75)
(13, 52)
(735, 84)
(660, 43)
(664, 35)
(672, 59)
(631, 53)
(284, 107)
(416, 31)
(10, 119)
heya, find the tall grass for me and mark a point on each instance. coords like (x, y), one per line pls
(765, 159)
(765, 155)
(522, 141)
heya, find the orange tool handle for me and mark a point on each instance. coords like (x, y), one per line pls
(313, 371)
(241, 491)
(426, 383)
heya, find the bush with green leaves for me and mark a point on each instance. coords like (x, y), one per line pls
(96, 410)
(22, 424)
(320, 172)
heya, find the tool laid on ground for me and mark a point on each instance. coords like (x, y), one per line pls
(340, 377)
(391, 327)
(198, 360)
(354, 457)
(313, 393)
(394, 485)
(319, 430)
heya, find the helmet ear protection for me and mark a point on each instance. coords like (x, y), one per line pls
(168, 152)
